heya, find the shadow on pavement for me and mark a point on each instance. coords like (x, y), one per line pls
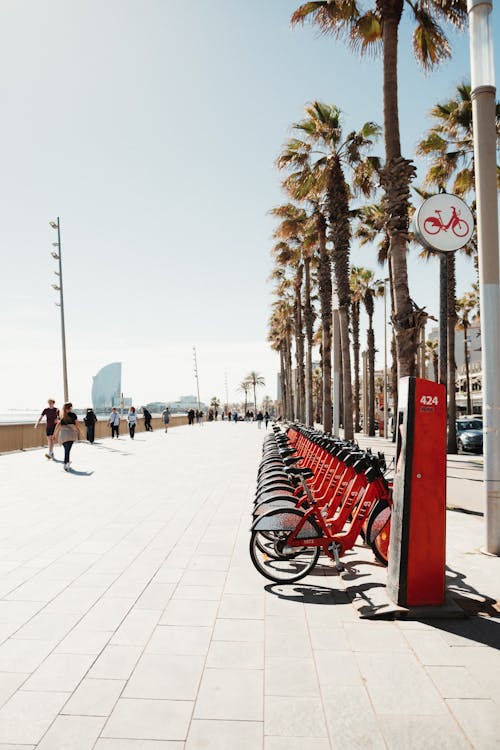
(308, 593)
(80, 473)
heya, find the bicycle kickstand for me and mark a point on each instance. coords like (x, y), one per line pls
(339, 566)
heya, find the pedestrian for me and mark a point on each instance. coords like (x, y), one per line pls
(51, 414)
(199, 417)
(132, 421)
(89, 421)
(229, 416)
(67, 431)
(259, 419)
(266, 418)
(147, 419)
(235, 416)
(114, 422)
(165, 415)
(191, 416)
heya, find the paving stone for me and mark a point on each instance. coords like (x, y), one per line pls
(136, 628)
(290, 644)
(48, 626)
(59, 672)
(251, 631)
(329, 639)
(108, 744)
(148, 720)
(173, 676)
(375, 636)
(350, 716)
(237, 607)
(72, 733)
(290, 676)
(480, 720)
(23, 656)
(431, 648)
(9, 683)
(296, 743)
(182, 612)
(456, 682)
(25, 718)
(224, 735)
(116, 662)
(194, 593)
(294, 717)
(172, 639)
(422, 733)
(235, 655)
(336, 668)
(155, 596)
(84, 641)
(210, 562)
(94, 697)
(284, 625)
(230, 694)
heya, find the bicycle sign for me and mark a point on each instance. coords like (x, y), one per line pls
(444, 222)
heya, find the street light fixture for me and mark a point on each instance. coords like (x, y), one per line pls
(483, 94)
(59, 288)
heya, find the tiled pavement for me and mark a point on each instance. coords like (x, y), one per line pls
(132, 619)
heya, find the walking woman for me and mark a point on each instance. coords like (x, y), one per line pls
(132, 421)
(67, 431)
(89, 421)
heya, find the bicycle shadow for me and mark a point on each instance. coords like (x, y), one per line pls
(307, 593)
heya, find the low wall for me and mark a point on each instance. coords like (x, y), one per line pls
(23, 436)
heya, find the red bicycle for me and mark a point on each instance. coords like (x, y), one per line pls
(435, 224)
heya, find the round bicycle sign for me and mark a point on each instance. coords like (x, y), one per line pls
(444, 222)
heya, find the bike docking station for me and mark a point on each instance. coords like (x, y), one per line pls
(416, 569)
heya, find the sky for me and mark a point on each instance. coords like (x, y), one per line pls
(151, 128)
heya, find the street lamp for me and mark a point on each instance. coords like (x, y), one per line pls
(197, 380)
(386, 409)
(59, 288)
(483, 94)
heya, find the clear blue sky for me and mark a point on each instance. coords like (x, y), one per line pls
(151, 127)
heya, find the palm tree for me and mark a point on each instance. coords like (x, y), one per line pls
(334, 153)
(367, 30)
(355, 312)
(255, 380)
(466, 306)
(280, 338)
(244, 387)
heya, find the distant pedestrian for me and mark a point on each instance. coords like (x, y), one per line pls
(199, 416)
(147, 419)
(165, 415)
(89, 421)
(229, 415)
(259, 419)
(235, 416)
(266, 418)
(51, 414)
(191, 416)
(114, 423)
(67, 431)
(132, 421)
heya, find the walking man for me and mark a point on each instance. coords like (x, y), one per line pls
(51, 415)
(114, 422)
(166, 417)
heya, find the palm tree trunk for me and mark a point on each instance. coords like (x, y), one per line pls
(451, 442)
(284, 386)
(299, 346)
(308, 323)
(467, 369)
(371, 378)
(355, 350)
(325, 298)
(395, 180)
(435, 366)
(346, 373)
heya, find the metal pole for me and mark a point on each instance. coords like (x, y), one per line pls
(386, 405)
(196, 376)
(57, 226)
(443, 318)
(227, 395)
(483, 113)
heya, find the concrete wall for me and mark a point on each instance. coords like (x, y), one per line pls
(15, 437)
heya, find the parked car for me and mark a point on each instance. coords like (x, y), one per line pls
(470, 435)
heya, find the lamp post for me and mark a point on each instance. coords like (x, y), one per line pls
(386, 405)
(483, 95)
(197, 380)
(57, 255)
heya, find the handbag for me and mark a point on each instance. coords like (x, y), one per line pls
(68, 432)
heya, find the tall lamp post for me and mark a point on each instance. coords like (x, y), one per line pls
(483, 95)
(195, 362)
(57, 255)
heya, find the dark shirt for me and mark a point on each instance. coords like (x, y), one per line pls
(70, 418)
(51, 414)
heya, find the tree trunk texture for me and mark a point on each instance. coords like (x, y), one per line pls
(371, 378)
(355, 350)
(325, 297)
(289, 380)
(395, 179)
(467, 370)
(284, 410)
(309, 326)
(299, 348)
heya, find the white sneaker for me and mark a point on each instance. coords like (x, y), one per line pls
(66, 467)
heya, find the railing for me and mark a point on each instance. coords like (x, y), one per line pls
(23, 436)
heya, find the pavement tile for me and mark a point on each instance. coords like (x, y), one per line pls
(172, 639)
(148, 720)
(75, 600)
(84, 642)
(296, 743)
(116, 662)
(18, 613)
(336, 667)
(168, 575)
(108, 744)
(290, 644)
(25, 718)
(107, 614)
(375, 636)
(284, 625)
(3, 746)
(350, 717)
(389, 675)
(230, 694)
(59, 672)
(9, 683)
(136, 628)
(172, 676)
(251, 631)
(235, 655)
(234, 607)
(422, 733)
(294, 717)
(431, 648)
(48, 626)
(480, 721)
(24, 656)
(72, 733)
(456, 682)
(290, 676)
(209, 562)
(329, 639)
(36, 590)
(155, 596)
(194, 593)
(224, 735)
(203, 578)
(94, 697)
(183, 612)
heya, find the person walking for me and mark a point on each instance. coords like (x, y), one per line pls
(89, 421)
(165, 415)
(259, 419)
(235, 416)
(266, 418)
(132, 421)
(191, 416)
(51, 415)
(67, 431)
(114, 422)
(147, 419)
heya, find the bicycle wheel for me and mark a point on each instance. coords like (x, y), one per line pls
(378, 532)
(269, 559)
(460, 228)
(432, 225)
